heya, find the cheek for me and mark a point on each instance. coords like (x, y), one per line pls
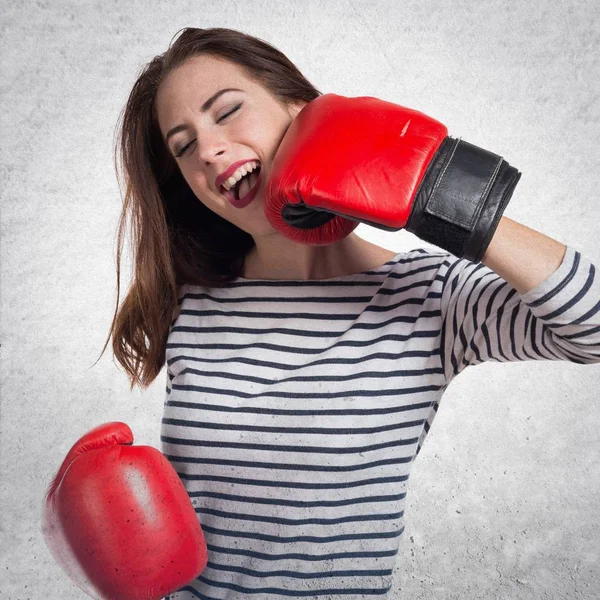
(198, 184)
(263, 134)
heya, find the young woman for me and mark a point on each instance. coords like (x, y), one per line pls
(302, 380)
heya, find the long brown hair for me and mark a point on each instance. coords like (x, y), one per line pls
(176, 239)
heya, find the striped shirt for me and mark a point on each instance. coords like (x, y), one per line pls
(295, 409)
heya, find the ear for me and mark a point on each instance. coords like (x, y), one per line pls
(295, 107)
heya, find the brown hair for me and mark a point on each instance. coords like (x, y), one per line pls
(176, 239)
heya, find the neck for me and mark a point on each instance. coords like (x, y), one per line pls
(281, 259)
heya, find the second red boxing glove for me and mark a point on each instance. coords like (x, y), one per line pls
(118, 520)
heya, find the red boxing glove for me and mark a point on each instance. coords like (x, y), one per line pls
(118, 520)
(349, 160)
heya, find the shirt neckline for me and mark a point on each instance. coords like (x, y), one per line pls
(339, 278)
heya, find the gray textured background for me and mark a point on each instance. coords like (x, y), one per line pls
(504, 500)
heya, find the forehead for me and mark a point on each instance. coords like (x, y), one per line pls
(205, 70)
(201, 76)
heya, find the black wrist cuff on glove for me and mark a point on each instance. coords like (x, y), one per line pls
(461, 199)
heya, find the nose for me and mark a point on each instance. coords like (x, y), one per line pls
(208, 161)
(210, 146)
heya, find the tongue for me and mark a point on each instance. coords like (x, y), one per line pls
(246, 184)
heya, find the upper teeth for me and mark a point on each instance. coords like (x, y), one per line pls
(243, 170)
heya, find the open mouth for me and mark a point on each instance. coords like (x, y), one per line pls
(245, 189)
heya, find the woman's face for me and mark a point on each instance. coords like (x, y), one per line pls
(214, 139)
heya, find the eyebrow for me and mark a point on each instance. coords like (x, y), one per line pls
(206, 106)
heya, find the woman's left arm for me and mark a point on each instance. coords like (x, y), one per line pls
(523, 257)
(529, 298)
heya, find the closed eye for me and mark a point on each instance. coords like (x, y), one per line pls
(182, 151)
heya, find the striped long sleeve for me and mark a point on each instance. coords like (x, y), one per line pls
(484, 318)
